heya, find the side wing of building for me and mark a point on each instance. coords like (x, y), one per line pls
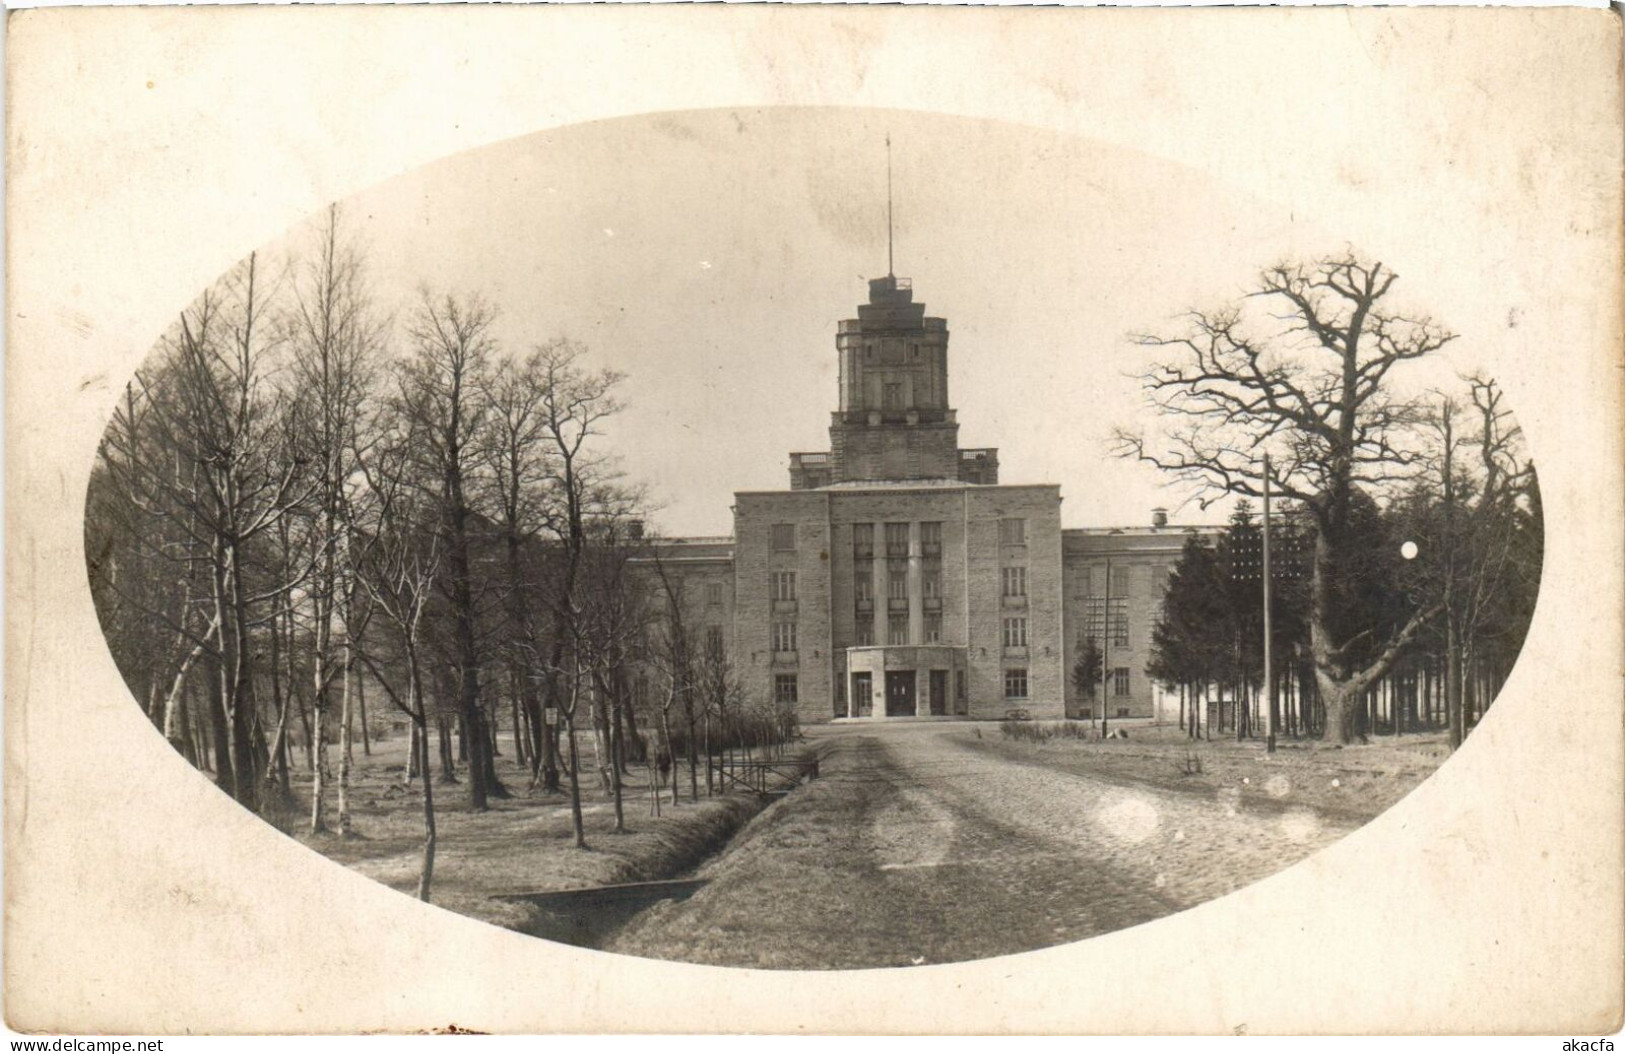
(1115, 582)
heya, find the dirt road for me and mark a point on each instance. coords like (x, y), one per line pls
(917, 847)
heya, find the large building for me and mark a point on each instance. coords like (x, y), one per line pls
(898, 578)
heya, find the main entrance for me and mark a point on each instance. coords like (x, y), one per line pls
(899, 693)
(907, 681)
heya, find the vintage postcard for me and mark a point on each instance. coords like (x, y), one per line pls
(812, 519)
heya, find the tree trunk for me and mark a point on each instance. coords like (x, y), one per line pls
(616, 745)
(346, 753)
(221, 746)
(693, 757)
(448, 764)
(361, 701)
(575, 783)
(426, 877)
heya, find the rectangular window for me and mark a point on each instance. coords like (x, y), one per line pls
(784, 636)
(784, 585)
(1015, 684)
(896, 539)
(931, 538)
(1120, 681)
(1015, 581)
(713, 639)
(784, 537)
(784, 689)
(1122, 711)
(1120, 581)
(897, 585)
(863, 584)
(1015, 633)
(865, 632)
(933, 627)
(1013, 532)
(1097, 581)
(892, 395)
(1094, 620)
(897, 629)
(713, 593)
(931, 583)
(863, 540)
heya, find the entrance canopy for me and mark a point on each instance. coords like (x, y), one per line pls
(899, 681)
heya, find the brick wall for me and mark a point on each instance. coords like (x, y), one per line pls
(985, 557)
(755, 611)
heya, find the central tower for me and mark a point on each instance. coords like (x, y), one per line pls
(893, 421)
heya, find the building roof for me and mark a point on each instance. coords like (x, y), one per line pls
(1088, 541)
(699, 547)
(906, 484)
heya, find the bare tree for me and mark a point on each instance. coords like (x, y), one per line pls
(397, 558)
(440, 394)
(673, 654)
(335, 339)
(612, 622)
(518, 455)
(1471, 550)
(214, 467)
(719, 693)
(573, 402)
(1314, 394)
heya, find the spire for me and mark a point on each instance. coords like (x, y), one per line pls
(891, 271)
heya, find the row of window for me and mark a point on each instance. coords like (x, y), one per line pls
(1102, 618)
(1015, 683)
(897, 630)
(1013, 581)
(786, 690)
(1012, 531)
(1094, 583)
(1014, 627)
(863, 583)
(896, 537)
(782, 585)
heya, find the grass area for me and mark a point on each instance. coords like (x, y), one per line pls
(520, 844)
(795, 889)
(1355, 782)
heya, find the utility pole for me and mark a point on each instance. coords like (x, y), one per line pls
(1105, 647)
(1269, 678)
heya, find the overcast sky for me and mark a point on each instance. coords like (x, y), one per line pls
(709, 255)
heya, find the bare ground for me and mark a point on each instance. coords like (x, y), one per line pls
(943, 842)
(521, 844)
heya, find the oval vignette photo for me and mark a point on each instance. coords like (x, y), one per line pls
(598, 534)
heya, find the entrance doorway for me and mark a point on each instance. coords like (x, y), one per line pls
(939, 692)
(862, 698)
(899, 693)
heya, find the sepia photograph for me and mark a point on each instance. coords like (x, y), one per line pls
(412, 535)
(802, 536)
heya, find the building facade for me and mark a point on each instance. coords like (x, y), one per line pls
(896, 577)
